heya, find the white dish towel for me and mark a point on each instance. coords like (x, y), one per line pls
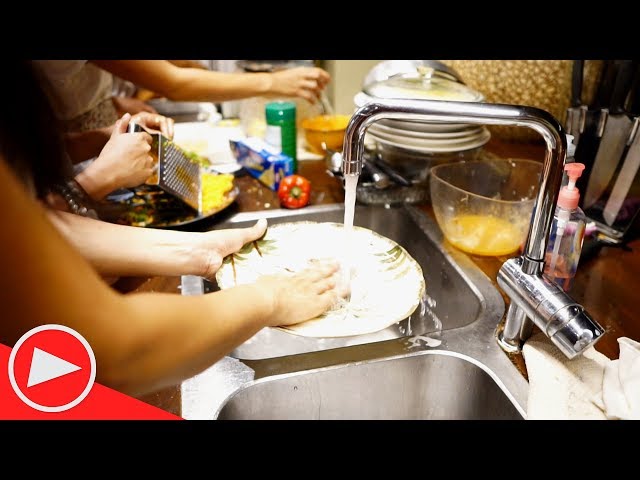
(589, 387)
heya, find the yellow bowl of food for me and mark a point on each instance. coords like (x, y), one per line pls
(325, 132)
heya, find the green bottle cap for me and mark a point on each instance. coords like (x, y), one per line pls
(278, 111)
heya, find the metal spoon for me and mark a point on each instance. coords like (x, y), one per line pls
(380, 179)
(326, 106)
(333, 161)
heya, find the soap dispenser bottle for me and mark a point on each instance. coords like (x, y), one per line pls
(567, 232)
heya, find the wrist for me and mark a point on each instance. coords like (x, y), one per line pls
(265, 83)
(96, 181)
(198, 257)
(267, 297)
(173, 254)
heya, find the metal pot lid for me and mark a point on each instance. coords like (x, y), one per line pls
(422, 85)
(391, 68)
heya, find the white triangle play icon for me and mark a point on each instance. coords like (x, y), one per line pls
(45, 367)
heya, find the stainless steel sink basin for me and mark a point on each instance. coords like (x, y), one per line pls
(425, 386)
(458, 293)
(443, 362)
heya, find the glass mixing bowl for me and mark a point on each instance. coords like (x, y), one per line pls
(484, 207)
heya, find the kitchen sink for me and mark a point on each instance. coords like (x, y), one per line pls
(442, 362)
(457, 292)
(421, 387)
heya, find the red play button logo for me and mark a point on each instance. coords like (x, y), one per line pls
(52, 368)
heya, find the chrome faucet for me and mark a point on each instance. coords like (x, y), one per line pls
(533, 297)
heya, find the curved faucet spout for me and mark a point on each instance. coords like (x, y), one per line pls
(532, 261)
(481, 114)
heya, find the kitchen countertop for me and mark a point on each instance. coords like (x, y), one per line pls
(605, 283)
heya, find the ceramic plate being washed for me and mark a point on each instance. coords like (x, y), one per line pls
(386, 284)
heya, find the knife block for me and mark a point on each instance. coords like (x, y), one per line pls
(609, 146)
(623, 228)
(617, 208)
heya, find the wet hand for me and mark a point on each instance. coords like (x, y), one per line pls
(303, 295)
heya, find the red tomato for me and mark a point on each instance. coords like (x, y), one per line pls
(294, 191)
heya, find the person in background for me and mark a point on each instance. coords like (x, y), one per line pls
(142, 342)
(129, 98)
(81, 89)
(143, 95)
(81, 95)
(87, 142)
(117, 250)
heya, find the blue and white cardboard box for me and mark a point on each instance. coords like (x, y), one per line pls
(262, 161)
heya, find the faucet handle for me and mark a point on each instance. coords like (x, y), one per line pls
(565, 322)
(573, 330)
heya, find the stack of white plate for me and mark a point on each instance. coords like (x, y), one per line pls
(424, 137)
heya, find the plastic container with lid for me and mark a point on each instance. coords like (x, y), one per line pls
(281, 129)
(567, 229)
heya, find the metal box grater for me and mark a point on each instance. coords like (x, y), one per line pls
(175, 173)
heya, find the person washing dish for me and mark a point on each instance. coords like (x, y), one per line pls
(142, 342)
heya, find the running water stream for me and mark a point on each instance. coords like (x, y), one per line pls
(425, 314)
(350, 184)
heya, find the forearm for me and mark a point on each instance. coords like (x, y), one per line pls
(81, 146)
(209, 86)
(118, 250)
(187, 335)
(190, 84)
